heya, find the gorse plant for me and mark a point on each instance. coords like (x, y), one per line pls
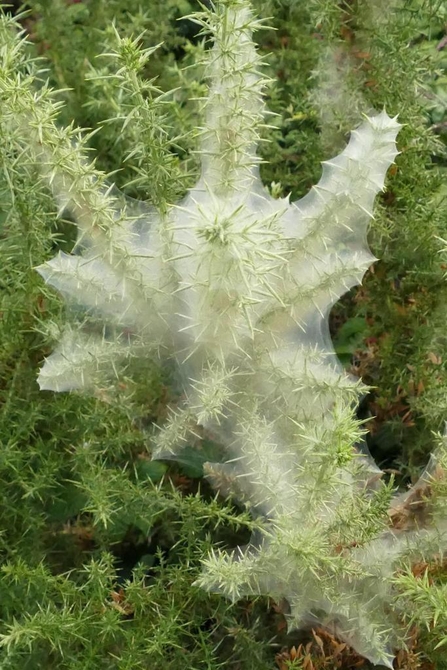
(234, 287)
(230, 291)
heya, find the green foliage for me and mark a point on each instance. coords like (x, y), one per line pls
(99, 546)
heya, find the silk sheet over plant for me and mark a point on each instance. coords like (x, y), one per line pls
(234, 288)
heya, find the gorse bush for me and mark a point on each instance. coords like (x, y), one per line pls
(202, 306)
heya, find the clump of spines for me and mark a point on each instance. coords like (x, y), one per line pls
(234, 107)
